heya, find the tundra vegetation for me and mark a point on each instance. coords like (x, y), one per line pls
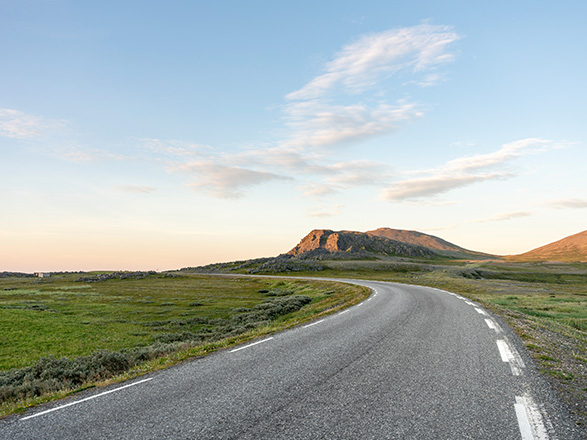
(545, 303)
(69, 332)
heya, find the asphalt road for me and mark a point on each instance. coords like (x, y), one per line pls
(408, 363)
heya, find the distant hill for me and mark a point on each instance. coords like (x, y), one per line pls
(383, 241)
(438, 245)
(568, 250)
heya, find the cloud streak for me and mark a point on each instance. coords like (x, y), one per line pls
(318, 124)
(569, 204)
(227, 182)
(18, 125)
(362, 64)
(464, 171)
(503, 217)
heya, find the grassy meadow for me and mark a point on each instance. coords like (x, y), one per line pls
(71, 331)
(61, 333)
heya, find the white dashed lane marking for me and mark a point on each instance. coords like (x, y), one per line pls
(86, 399)
(250, 345)
(313, 323)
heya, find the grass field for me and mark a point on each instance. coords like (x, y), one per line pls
(146, 323)
(60, 334)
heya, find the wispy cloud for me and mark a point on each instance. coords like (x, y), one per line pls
(18, 125)
(173, 147)
(319, 113)
(434, 185)
(464, 171)
(315, 189)
(319, 124)
(81, 154)
(569, 203)
(223, 181)
(326, 211)
(503, 217)
(360, 65)
(135, 189)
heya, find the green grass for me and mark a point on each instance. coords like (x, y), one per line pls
(81, 334)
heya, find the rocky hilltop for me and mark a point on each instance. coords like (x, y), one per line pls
(572, 249)
(327, 242)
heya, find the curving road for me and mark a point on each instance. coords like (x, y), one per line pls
(408, 363)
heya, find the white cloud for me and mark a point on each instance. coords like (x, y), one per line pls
(357, 173)
(135, 189)
(284, 158)
(506, 152)
(174, 147)
(569, 203)
(225, 181)
(317, 114)
(326, 211)
(434, 185)
(317, 124)
(503, 217)
(464, 171)
(18, 125)
(362, 64)
(80, 154)
(315, 189)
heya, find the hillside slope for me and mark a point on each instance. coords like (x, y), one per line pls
(438, 245)
(568, 250)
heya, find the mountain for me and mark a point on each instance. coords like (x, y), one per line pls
(382, 241)
(438, 245)
(568, 250)
(323, 242)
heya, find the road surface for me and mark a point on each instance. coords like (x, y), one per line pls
(410, 362)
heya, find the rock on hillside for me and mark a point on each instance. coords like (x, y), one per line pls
(437, 244)
(324, 241)
(568, 250)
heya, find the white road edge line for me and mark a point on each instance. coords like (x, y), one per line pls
(493, 325)
(313, 323)
(481, 312)
(530, 420)
(250, 345)
(523, 421)
(508, 356)
(86, 399)
(344, 311)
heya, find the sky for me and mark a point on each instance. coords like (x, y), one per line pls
(155, 135)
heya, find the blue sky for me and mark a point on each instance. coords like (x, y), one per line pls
(158, 135)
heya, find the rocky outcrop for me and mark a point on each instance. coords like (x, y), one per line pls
(321, 241)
